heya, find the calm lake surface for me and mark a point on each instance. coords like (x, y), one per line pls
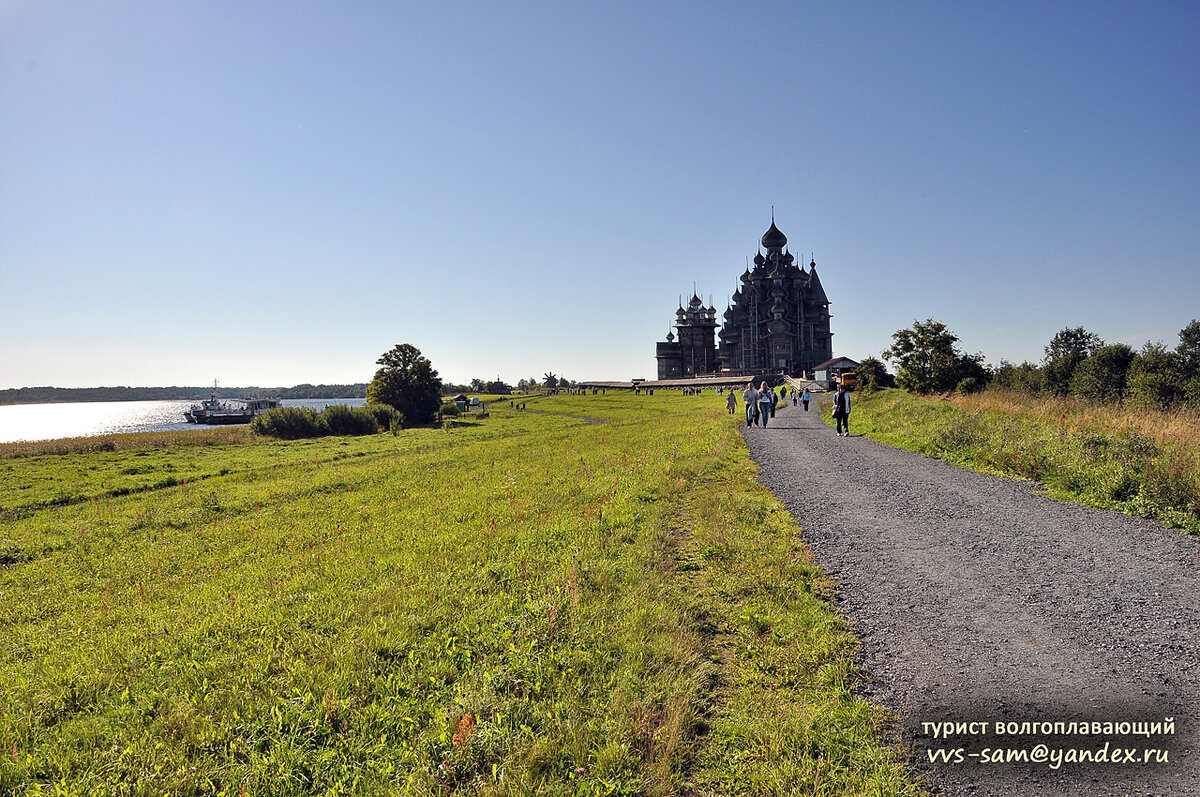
(91, 418)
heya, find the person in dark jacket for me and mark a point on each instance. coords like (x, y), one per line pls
(841, 410)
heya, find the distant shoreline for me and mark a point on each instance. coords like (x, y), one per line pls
(62, 395)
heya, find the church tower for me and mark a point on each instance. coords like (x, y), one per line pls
(695, 352)
(777, 321)
(778, 318)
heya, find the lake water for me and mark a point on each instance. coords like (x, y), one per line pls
(91, 418)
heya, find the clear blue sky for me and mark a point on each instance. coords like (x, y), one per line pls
(272, 193)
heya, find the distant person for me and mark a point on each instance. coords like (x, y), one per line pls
(765, 394)
(774, 402)
(731, 402)
(805, 397)
(841, 410)
(795, 398)
(750, 396)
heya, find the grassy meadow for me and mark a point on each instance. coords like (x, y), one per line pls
(1141, 462)
(521, 604)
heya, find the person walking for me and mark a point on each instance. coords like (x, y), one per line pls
(750, 396)
(765, 394)
(805, 397)
(841, 410)
(774, 402)
(731, 402)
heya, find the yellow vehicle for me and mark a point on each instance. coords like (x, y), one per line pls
(849, 379)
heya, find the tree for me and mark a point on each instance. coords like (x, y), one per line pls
(926, 357)
(1025, 377)
(970, 373)
(1064, 353)
(1101, 377)
(1188, 350)
(1187, 355)
(873, 374)
(1154, 379)
(478, 386)
(408, 383)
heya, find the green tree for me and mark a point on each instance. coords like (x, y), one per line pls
(408, 383)
(1154, 378)
(1188, 361)
(873, 375)
(1064, 353)
(1189, 347)
(926, 357)
(478, 386)
(1025, 377)
(1101, 377)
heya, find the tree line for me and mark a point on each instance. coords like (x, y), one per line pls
(1076, 362)
(50, 395)
(498, 387)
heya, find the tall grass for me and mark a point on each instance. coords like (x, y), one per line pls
(1142, 462)
(531, 604)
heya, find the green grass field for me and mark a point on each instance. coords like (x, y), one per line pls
(522, 604)
(1143, 463)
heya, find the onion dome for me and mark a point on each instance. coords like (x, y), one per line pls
(670, 337)
(759, 259)
(746, 275)
(695, 302)
(773, 238)
(788, 259)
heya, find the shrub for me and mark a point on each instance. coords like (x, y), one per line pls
(971, 384)
(450, 409)
(1154, 381)
(289, 423)
(873, 375)
(343, 420)
(385, 415)
(1025, 377)
(1064, 353)
(1101, 377)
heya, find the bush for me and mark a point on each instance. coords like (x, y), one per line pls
(873, 375)
(1025, 377)
(296, 423)
(343, 420)
(385, 415)
(289, 423)
(450, 409)
(1154, 381)
(971, 384)
(1101, 377)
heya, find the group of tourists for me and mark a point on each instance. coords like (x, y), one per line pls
(762, 401)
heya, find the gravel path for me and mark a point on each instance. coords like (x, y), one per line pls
(979, 601)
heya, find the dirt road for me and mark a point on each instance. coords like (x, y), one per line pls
(978, 601)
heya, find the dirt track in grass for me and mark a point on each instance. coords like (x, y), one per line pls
(978, 600)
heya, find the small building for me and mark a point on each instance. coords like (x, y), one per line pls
(831, 370)
(461, 402)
